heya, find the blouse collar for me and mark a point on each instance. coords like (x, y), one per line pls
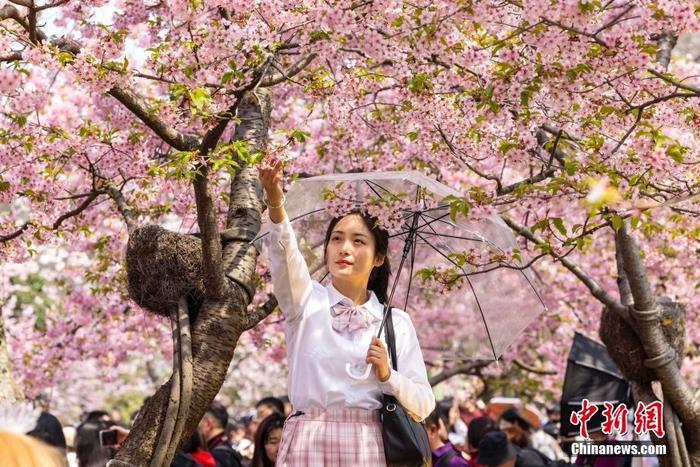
(372, 305)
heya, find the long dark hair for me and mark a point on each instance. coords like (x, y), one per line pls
(87, 444)
(270, 423)
(379, 277)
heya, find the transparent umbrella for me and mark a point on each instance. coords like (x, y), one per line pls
(462, 281)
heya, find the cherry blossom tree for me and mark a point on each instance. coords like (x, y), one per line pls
(568, 118)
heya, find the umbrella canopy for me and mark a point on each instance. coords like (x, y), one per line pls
(590, 374)
(468, 295)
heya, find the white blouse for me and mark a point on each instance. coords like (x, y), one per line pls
(318, 355)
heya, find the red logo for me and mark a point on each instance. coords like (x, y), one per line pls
(615, 419)
(582, 416)
(649, 418)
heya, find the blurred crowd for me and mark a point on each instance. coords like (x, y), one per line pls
(502, 433)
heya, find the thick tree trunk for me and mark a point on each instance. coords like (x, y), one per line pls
(220, 322)
(683, 433)
(9, 392)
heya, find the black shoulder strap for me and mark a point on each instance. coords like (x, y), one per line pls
(444, 461)
(391, 340)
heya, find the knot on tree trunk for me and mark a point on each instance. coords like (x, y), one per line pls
(626, 349)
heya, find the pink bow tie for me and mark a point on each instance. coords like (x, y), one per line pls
(349, 319)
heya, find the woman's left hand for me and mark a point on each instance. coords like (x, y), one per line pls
(377, 356)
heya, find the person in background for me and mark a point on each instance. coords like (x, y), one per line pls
(194, 446)
(287, 406)
(182, 458)
(211, 428)
(49, 430)
(456, 428)
(247, 444)
(235, 430)
(237, 436)
(496, 451)
(444, 453)
(267, 440)
(17, 450)
(267, 406)
(521, 432)
(87, 441)
(478, 428)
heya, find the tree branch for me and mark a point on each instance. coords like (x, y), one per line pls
(123, 208)
(464, 369)
(245, 206)
(16, 233)
(548, 170)
(588, 281)
(262, 312)
(532, 369)
(74, 212)
(593, 36)
(211, 243)
(171, 136)
(633, 267)
(13, 57)
(672, 81)
(212, 137)
(528, 181)
(666, 42)
(31, 19)
(284, 75)
(454, 151)
(623, 283)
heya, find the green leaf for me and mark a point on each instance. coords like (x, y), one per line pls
(426, 273)
(507, 145)
(457, 206)
(570, 166)
(65, 58)
(559, 224)
(676, 152)
(397, 22)
(616, 222)
(299, 135)
(540, 225)
(199, 97)
(228, 76)
(419, 82)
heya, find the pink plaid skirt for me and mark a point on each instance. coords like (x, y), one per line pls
(338, 437)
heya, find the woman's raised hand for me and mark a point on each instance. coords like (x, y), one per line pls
(271, 180)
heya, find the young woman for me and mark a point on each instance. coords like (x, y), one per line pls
(331, 334)
(267, 441)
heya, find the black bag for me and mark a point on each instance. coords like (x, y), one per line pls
(405, 440)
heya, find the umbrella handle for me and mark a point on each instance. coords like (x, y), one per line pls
(364, 376)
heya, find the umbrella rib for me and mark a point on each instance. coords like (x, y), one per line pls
(427, 223)
(295, 218)
(522, 272)
(458, 237)
(471, 286)
(369, 184)
(403, 232)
